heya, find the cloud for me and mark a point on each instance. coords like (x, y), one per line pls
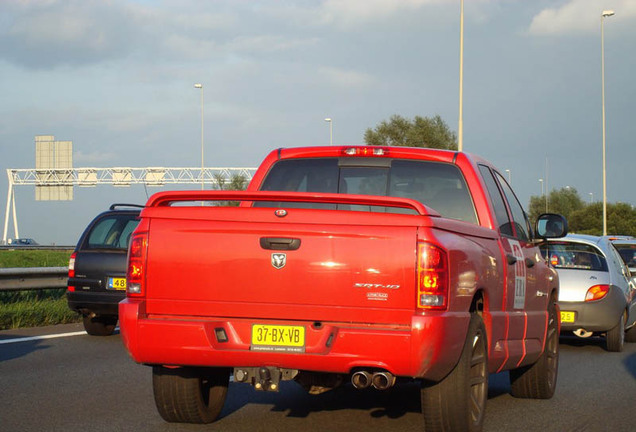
(267, 43)
(42, 34)
(346, 78)
(579, 17)
(363, 11)
(93, 158)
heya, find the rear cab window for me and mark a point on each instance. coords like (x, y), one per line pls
(438, 185)
(574, 256)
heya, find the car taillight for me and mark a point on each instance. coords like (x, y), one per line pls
(432, 277)
(596, 292)
(71, 270)
(136, 274)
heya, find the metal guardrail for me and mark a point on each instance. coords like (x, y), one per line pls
(34, 247)
(33, 278)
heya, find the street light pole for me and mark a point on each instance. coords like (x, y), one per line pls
(200, 86)
(328, 120)
(606, 13)
(460, 126)
(509, 177)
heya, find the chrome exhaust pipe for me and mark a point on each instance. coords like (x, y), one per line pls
(361, 379)
(582, 333)
(383, 380)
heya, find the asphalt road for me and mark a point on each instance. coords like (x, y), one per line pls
(84, 383)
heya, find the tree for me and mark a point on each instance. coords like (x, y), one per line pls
(621, 219)
(419, 132)
(564, 201)
(585, 218)
(236, 182)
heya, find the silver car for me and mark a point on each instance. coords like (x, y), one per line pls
(626, 247)
(597, 292)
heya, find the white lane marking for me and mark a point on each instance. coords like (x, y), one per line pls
(51, 336)
(34, 338)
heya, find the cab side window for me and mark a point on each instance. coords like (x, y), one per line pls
(501, 213)
(520, 220)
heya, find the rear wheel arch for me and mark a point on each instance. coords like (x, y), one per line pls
(479, 303)
(480, 306)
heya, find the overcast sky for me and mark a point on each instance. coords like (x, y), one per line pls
(117, 78)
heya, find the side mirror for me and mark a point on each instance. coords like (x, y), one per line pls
(551, 225)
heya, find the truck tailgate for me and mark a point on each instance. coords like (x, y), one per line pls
(341, 266)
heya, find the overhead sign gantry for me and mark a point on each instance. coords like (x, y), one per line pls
(54, 177)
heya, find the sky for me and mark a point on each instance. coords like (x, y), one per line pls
(117, 79)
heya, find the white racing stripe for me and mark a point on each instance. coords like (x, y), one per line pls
(51, 336)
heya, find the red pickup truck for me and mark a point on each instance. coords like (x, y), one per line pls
(345, 264)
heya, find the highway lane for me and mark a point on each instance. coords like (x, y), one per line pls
(80, 383)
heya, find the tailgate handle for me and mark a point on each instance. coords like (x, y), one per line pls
(280, 243)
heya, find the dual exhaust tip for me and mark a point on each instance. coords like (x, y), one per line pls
(379, 380)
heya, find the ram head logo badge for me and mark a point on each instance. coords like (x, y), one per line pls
(279, 260)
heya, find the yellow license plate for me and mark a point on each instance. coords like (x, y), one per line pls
(567, 317)
(117, 283)
(283, 338)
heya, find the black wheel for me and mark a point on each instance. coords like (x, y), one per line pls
(99, 325)
(630, 335)
(190, 395)
(538, 381)
(615, 338)
(458, 402)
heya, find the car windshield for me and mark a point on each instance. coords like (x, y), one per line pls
(438, 185)
(112, 232)
(575, 256)
(628, 253)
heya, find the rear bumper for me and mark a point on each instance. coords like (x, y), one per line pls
(595, 316)
(101, 303)
(427, 348)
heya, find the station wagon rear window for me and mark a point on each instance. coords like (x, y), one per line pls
(574, 256)
(112, 232)
(438, 185)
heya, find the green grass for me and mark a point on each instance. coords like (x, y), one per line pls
(36, 313)
(34, 308)
(34, 258)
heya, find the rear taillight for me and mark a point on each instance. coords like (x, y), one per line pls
(71, 270)
(432, 277)
(136, 274)
(596, 292)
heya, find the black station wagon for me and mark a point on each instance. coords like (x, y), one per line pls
(97, 268)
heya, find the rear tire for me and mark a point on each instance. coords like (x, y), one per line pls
(99, 325)
(190, 395)
(630, 335)
(615, 338)
(538, 381)
(458, 402)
